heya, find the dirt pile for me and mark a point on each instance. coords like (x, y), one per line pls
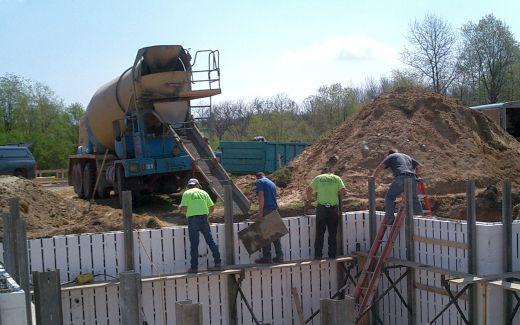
(453, 142)
(58, 211)
(47, 213)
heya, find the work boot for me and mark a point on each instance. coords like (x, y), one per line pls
(264, 260)
(192, 270)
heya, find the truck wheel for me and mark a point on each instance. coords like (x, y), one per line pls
(19, 173)
(89, 180)
(123, 186)
(103, 192)
(77, 179)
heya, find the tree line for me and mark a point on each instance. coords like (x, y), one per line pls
(30, 112)
(280, 118)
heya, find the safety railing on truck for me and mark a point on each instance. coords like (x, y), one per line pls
(204, 78)
(52, 173)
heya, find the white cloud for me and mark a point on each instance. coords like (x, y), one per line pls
(351, 48)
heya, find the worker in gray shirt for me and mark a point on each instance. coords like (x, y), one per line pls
(403, 167)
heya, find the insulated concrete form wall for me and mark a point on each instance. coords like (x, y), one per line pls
(439, 243)
(12, 301)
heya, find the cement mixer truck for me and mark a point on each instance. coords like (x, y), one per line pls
(139, 135)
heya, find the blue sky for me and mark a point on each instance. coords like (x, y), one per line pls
(266, 47)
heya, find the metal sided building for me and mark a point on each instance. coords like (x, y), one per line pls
(507, 115)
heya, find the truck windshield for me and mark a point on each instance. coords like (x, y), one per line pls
(154, 127)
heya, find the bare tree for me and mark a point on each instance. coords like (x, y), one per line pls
(432, 52)
(489, 51)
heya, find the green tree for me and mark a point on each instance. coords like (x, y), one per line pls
(432, 52)
(489, 52)
(32, 113)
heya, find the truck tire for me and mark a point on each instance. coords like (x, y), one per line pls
(77, 179)
(122, 185)
(89, 180)
(20, 173)
(103, 192)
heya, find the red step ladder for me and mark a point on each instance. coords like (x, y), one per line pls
(425, 200)
(369, 278)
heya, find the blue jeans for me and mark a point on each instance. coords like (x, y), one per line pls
(266, 251)
(196, 224)
(396, 188)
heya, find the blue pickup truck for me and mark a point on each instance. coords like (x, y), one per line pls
(17, 160)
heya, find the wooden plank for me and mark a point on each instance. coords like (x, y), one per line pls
(506, 285)
(436, 290)
(129, 245)
(426, 267)
(298, 305)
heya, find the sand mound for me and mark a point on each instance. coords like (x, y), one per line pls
(47, 213)
(453, 142)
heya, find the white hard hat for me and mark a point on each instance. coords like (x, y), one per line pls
(193, 181)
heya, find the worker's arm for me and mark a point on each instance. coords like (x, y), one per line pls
(261, 202)
(378, 170)
(342, 192)
(184, 204)
(418, 169)
(211, 209)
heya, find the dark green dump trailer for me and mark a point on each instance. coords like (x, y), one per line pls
(246, 157)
